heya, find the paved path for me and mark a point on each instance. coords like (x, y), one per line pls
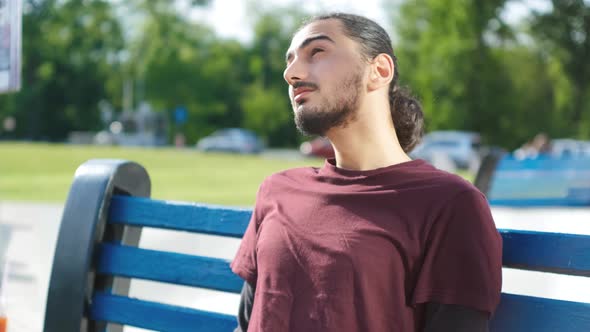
(29, 256)
(34, 229)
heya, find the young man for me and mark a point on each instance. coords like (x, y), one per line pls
(372, 241)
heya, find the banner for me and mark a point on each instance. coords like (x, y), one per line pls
(10, 45)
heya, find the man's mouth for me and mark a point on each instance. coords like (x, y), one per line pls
(300, 93)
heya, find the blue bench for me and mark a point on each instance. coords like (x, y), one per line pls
(96, 256)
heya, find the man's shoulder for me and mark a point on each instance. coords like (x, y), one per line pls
(446, 186)
(289, 177)
(291, 173)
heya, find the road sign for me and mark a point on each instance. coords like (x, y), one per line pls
(180, 115)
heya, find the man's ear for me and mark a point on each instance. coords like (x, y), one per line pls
(381, 72)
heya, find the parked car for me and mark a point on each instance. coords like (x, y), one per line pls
(317, 147)
(566, 147)
(235, 140)
(462, 148)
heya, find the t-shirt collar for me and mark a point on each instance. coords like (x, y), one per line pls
(330, 168)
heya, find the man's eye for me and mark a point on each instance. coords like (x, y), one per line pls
(315, 51)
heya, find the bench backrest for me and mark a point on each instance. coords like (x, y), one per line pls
(97, 254)
(548, 182)
(116, 259)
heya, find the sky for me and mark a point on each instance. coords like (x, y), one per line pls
(230, 19)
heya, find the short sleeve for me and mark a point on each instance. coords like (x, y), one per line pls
(462, 263)
(244, 263)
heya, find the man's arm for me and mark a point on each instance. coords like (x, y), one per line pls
(454, 318)
(246, 303)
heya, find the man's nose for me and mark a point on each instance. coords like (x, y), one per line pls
(295, 71)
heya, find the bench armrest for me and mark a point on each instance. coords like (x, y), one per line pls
(82, 227)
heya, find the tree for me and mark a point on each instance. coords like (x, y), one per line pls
(180, 63)
(535, 85)
(68, 52)
(266, 105)
(444, 54)
(564, 34)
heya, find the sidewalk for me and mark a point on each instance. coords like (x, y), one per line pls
(30, 253)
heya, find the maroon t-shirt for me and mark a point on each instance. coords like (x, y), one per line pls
(340, 250)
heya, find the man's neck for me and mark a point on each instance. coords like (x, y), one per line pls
(367, 142)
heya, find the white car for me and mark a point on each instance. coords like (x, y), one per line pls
(567, 147)
(462, 148)
(235, 140)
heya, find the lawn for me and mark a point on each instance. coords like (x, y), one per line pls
(44, 172)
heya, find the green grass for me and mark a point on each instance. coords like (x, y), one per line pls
(44, 172)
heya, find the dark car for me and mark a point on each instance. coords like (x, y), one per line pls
(235, 140)
(317, 147)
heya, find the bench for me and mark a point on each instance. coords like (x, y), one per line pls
(96, 256)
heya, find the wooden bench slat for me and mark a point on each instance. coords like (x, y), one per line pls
(200, 218)
(197, 271)
(157, 316)
(548, 252)
(518, 313)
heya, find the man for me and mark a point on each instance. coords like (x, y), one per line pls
(371, 241)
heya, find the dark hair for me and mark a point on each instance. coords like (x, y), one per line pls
(406, 111)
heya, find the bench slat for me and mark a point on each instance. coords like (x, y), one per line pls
(200, 218)
(197, 271)
(518, 313)
(548, 252)
(156, 316)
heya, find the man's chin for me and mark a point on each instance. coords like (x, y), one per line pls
(300, 105)
(301, 109)
(308, 122)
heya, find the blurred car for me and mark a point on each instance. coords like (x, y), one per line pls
(235, 140)
(317, 147)
(567, 147)
(462, 148)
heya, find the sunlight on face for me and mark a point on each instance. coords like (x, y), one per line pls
(325, 75)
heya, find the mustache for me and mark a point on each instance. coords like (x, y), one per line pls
(302, 84)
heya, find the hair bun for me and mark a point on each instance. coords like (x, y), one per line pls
(408, 118)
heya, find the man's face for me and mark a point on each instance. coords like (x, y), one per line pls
(325, 75)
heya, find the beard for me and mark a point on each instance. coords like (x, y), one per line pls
(336, 110)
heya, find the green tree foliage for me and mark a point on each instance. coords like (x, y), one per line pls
(222, 83)
(444, 56)
(69, 48)
(471, 72)
(265, 103)
(564, 34)
(532, 96)
(179, 63)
